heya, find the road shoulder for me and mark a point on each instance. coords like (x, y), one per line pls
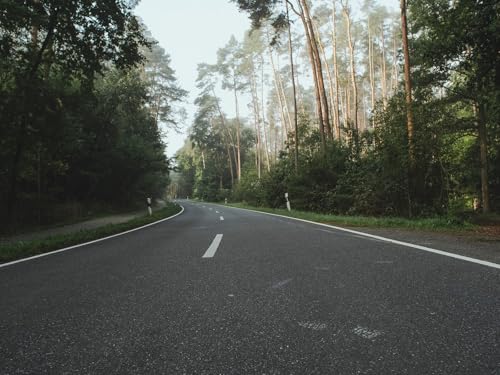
(14, 252)
(481, 245)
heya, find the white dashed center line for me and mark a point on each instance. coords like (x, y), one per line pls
(222, 218)
(213, 247)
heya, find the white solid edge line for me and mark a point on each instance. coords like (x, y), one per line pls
(90, 242)
(401, 243)
(213, 247)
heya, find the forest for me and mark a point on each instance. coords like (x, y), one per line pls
(350, 110)
(364, 111)
(86, 94)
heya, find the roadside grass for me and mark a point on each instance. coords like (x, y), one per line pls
(20, 249)
(434, 224)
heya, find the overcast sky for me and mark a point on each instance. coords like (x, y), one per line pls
(191, 31)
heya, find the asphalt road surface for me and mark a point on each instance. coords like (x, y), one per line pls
(219, 290)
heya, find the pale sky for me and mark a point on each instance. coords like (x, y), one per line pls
(191, 32)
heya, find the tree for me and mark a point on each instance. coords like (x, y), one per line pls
(228, 65)
(265, 10)
(465, 64)
(408, 94)
(72, 37)
(163, 90)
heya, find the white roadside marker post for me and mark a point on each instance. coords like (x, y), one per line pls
(149, 206)
(288, 207)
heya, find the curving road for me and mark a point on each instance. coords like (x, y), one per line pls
(219, 290)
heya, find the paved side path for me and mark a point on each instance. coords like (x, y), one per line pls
(83, 225)
(72, 228)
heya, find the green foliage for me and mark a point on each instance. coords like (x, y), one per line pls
(455, 74)
(81, 110)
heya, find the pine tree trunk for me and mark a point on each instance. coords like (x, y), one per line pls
(224, 126)
(230, 165)
(319, 68)
(336, 71)
(395, 68)
(329, 76)
(280, 93)
(292, 72)
(483, 155)
(256, 113)
(319, 110)
(238, 131)
(371, 69)
(353, 68)
(384, 69)
(409, 109)
(285, 103)
(264, 128)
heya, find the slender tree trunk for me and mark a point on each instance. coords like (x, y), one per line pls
(238, 131)
(353, 68)
(319, 109)
(203, 159)
(279, 93)
(256, 112)
(228, 142)
(319, 71)
(264, 127)
(363, 113)
(347, 105)
(409, 109)
(229, 136)
(384, 68)
(300, 94)
(280, 101)
(294, 90)
(321, 100)
(483, 155)
(342, 107)
(328, 74)
(283, 95)
(336, 71)
(230, 165)
(395, 68)
(371, 69)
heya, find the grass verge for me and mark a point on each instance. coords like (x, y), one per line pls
(435, 224)
(22, 249)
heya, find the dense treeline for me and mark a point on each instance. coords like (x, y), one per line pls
(344, 120)
(83, 93)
